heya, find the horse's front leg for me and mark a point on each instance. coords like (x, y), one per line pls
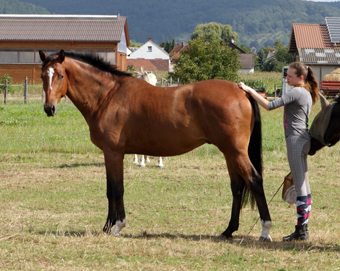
(115, 192)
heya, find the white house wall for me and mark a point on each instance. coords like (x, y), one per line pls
(149, 50)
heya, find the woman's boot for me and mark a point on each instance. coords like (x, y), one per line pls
(301, 233)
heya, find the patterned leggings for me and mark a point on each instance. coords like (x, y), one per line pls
(297, 151)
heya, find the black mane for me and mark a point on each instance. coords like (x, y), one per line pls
(93, 60)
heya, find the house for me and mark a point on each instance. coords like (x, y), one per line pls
(247, 60)
(175, 52)
(150, 56)
(22, 36)
(317, 45)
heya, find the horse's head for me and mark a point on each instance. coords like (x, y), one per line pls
(54, 80)
(332, 133)
(148, 77)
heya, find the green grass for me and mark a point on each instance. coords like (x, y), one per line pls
(53, 203)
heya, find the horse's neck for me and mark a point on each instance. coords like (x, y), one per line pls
(86, 88)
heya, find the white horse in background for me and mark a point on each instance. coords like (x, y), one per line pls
(151, 79)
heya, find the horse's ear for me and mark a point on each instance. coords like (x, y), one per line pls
(61, 56)
(42, 55)
(324, 102)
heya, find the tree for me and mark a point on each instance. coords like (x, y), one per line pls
(167, 45)
(281, 53)
(207, 60)
(214, 30)
(261, 58)
(281, 57)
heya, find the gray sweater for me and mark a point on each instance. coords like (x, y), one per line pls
(297, 106)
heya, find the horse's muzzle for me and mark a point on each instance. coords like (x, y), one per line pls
(50, 109)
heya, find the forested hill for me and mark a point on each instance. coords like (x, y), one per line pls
(19, 7)
(260, 21)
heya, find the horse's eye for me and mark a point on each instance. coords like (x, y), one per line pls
(61, 76)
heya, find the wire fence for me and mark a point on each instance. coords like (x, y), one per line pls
(25, 92)
(21, 92)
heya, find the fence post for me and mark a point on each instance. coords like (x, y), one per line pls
(170, 81)
(42, 94)
(25, 90)
(6, 90)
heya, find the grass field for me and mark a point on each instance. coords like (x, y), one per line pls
(53, 203)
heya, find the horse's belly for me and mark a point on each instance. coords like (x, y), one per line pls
(164, 148)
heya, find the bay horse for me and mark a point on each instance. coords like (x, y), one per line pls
(171, 121)
(329, 134)
(151, 79)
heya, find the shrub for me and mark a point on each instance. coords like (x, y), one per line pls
(3, 81)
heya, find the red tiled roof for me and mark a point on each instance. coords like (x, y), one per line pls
(149, 64)
(62, 27)
(309, 36)
(176, 51)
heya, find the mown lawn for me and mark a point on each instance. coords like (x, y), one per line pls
(53, 203)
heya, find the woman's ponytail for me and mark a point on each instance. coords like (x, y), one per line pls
(310, 82)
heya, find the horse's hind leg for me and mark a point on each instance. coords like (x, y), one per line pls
(237, 186)
(142, 161)
(243, 172)
(115, 192)
(135, 159)
(160, 162)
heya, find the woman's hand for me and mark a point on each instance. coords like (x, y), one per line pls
(243, 86)
(262, 101)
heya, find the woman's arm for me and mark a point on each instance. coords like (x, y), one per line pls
(257, 97)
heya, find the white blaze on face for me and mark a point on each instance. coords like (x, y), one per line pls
(50, 73)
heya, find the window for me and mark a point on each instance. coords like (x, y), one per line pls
(149, 48)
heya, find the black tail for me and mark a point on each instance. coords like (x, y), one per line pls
(254, 150)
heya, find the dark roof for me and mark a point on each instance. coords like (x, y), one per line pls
(233, 46)
(62, 27)
(149, 64)
(247, 61)
(319, 56)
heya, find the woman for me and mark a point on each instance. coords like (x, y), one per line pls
(297, 106)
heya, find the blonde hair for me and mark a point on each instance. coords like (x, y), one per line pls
(310, 82)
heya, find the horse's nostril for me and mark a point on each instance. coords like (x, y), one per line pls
(52, 109)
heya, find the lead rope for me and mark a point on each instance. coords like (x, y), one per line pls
(259, 217)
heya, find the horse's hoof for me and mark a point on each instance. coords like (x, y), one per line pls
(116, 234)
(267, 239)
(161, 166)
(142, 165)
(226, 237)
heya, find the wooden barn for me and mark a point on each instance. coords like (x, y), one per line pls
(22, 36)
